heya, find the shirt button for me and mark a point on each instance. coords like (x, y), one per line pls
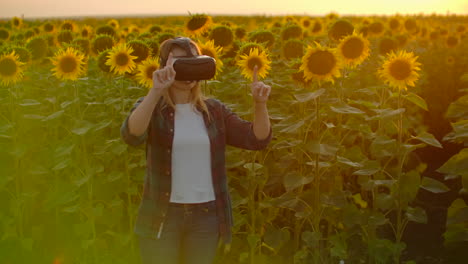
(167, 172)
(172, 130)
(171, 114)
(166, 193)
(168, 151)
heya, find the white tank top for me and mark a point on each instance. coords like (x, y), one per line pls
(191, 160)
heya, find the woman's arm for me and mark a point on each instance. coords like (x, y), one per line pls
(250, 135)
(139, 119)
(134, 129)
(261, 122)
(260, 93)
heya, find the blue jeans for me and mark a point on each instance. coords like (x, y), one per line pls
(189, 236)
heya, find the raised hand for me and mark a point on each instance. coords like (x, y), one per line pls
(164, 78)
(260, 91)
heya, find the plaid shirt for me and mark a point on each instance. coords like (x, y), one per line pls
(224, 128)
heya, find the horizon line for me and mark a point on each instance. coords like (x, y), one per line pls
(447, 13)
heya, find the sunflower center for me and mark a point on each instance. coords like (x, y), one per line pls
(7, 67)
(317, 27)
(196, 23)
(452, 41)
(254, 61)
(121, 59)
(321, 62)
(353, 48)
(68, 64)
(149, 72)
(400, 69)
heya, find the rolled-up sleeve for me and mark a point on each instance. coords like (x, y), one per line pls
(240, 133)
(127, 137)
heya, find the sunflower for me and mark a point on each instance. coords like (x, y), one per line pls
(86, 31)
(48, 27)
(16, 22)
(376, 29)
(113, 23)
(198, 24)
(23, 53)
(293, 48)
(4, 34)
(451, 41)
(102, 42)
(353, 49)
(154, 29)
(68, 64)
(305, 22)
(263, 36)
(213, 51)
(64, 36)
(101, 61)
(140, 49)
(399, 70)
(292, 31)
(11, 70)
(387, 44)
(317, 27)
(120, 60)
(320, 63)
(248, 62)
(340, 29)
(240, 32)
(222, 35)
(38, 47)
(410, 25)
(69, 25)
(394, 24)
(298, 75)
(145, 71)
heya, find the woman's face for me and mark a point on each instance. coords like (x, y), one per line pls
(182, 85)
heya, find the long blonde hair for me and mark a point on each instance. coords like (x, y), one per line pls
(197, 98)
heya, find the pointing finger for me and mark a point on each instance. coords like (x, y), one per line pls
(170, 60)
(255, 72)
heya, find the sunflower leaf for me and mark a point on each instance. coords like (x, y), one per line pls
(416, 214)
(346, 109)
(417, 100)
(429, 139)
(53, 115)
(304, 97)
(29, 102)
(433, 185)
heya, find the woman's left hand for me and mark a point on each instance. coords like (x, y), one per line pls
(260, 91)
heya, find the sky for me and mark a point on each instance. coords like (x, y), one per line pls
(66, 8)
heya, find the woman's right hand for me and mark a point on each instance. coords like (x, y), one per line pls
(164, 78)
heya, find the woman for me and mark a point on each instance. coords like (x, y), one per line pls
(186, 207)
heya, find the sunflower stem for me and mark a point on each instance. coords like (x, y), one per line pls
(316, 226)
(399, 227)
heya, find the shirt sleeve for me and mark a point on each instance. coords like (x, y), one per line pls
(129, 138)
(240, 133)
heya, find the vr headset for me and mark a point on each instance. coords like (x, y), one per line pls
(191, 67)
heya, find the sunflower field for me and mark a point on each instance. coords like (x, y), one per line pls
(368, 161)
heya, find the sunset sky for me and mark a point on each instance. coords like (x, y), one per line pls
(58, 8)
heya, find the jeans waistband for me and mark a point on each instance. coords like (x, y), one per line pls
(192, 205)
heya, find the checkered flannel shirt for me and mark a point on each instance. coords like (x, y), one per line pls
(226, 127)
